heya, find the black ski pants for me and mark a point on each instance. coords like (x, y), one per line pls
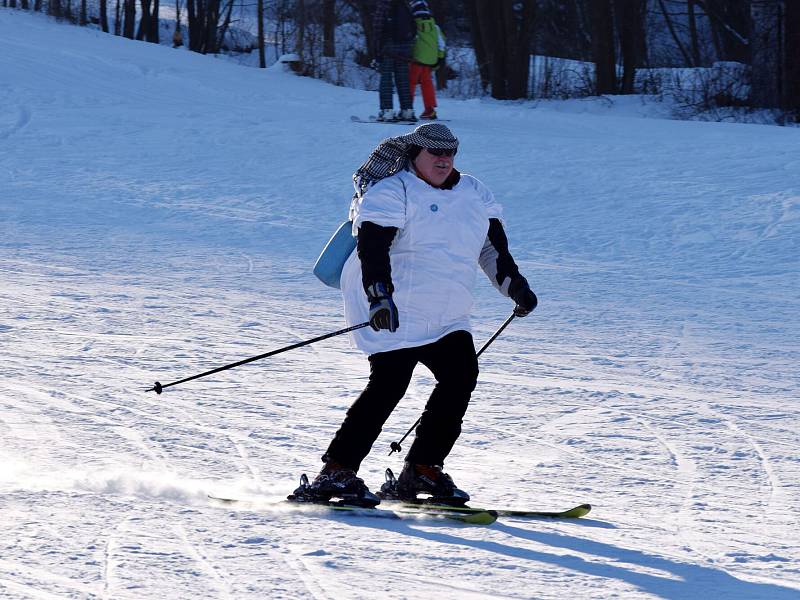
(453, 363)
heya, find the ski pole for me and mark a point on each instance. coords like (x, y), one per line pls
(395, 446)
(158, 387)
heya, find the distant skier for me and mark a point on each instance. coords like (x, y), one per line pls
(394, 31)
(423, 228)
(427, 55)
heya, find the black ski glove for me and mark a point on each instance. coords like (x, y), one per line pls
(382, 309)
(520, 292)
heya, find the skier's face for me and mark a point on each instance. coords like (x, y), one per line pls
(433, 169)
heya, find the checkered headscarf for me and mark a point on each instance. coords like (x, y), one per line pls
(391, 155)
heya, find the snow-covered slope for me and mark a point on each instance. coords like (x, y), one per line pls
(159, 215)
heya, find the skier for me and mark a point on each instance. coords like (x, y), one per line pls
(422, 228)
(394, 30)
(427, 54)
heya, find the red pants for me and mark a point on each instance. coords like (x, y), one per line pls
(422, 74)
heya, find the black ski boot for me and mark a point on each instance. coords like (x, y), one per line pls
(335, 485)
(423, 483)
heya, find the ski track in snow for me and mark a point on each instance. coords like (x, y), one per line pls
(160, 212)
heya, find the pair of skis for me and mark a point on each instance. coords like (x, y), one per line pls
(403, 510)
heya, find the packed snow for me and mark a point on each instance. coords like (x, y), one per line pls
(160, 212)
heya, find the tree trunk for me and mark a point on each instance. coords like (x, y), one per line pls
(212, 21)
(104, 15)
(300, 21)
(129, 8)
(117, 19)
(203, 19)
(365, 10)
(631, 19)
(144, 20)
(491, 31)
(481, 51)
(155, 36)
(148, 25)
(694, 46)
(765, 47)
(518, 19)
(177, 36)
(503, 31)
(791, 60)
(329, 28)
(603, 46)
(262, 60)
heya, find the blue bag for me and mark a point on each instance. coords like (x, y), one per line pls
(330, 263)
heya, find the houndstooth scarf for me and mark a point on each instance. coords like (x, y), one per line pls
(391, 155)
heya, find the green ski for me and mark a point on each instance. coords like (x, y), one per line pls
(573, 513)
(469, 516)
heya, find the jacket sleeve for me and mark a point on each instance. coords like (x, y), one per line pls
(496, 260)
(373, 246)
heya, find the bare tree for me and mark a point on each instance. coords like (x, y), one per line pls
(603, 54)
(505, 32)
(766, 50)
(203, 18)
(55, 9)
(301, 19)
(129, 25)
(262, 61)
(329, 28)
(631, 20)
(673, 32)
(481, 52)
(365, 9)
(148, 23)
(104, 15)
(791, 60)
(117, 18)
(177, 36)
(440, 14)
(730, 24)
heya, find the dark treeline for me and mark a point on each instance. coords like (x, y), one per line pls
(758, 40)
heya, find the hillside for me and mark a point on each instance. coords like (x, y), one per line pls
(160, 213)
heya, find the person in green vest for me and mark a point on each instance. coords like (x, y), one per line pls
(426, 56)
